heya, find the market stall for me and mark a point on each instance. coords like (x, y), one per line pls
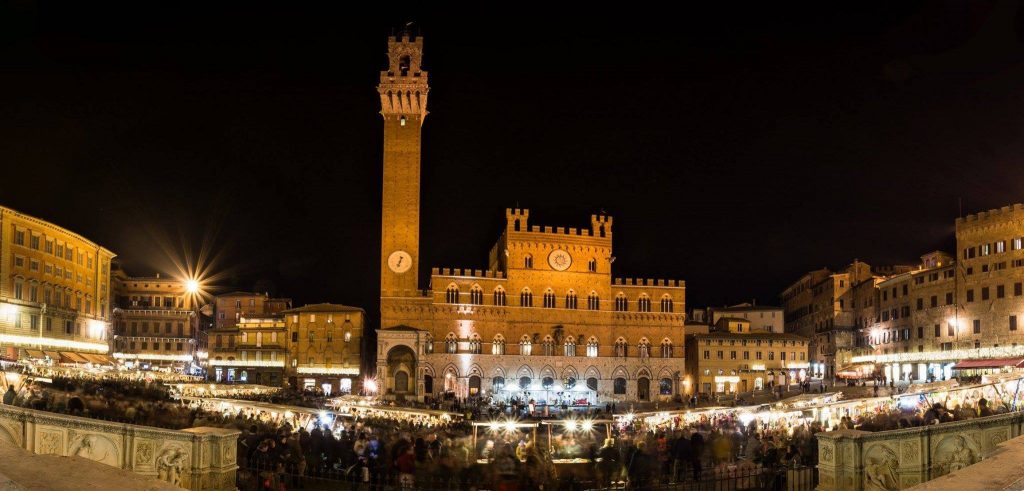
(500, 432)
(221, 390)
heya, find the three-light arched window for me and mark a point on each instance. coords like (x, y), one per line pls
(549, 299)
(621, 303)
(525, 346)
(570, 300)
(621, 347)
(452, 294)
(643, 304)
(526, 298)
(666, 304)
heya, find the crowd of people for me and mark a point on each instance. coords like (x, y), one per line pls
(406, 449)
(896, 418)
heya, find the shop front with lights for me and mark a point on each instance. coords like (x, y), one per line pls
(332, 381)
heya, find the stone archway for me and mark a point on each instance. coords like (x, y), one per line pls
(643, 388)
(401, 371)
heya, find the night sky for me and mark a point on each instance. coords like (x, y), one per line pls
(735, 148)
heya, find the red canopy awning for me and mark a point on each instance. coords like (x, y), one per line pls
(989, 363)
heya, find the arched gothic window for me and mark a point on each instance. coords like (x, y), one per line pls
(428, 344)
(498, 345)
(666, 304)
(666, 348)
(451, 344)
(621, 347)
(499, 296)
(593, 301)
(592, 347)
(643, 304)
(525, 346)
(548, 346)
(570, 346)
(526, 298)
(474, 344)
(570, 300)
(592, 265)
(549, 299)
(452, 294)
(528, 262)
(621, 303)
(644, 348)
(476, 295)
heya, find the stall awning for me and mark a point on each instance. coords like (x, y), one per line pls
(34, 353)
(989, 363)
(53, 355)
(104, 359)
(73, 357)
(93, 358)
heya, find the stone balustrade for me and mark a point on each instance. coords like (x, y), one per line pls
(851, 460)
(199, 459)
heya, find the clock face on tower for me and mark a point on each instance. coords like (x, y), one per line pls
(559, 260)
(399, 261)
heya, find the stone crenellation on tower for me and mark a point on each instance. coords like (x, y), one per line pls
(403, 98)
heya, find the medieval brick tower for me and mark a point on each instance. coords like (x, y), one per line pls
(403, 100)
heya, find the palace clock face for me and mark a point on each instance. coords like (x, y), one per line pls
(399, 261)
(559, 260)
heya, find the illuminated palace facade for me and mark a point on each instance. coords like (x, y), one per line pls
(951, 316)
(544, 321)
(155, 322)
(942, 317)
(54, 292)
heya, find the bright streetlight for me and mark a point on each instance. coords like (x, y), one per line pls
(192, 286)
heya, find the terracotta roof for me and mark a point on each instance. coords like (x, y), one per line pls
(322, 307)
(751, 335)
(745, 308)
(733, 319)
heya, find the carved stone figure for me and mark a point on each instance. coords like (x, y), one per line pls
(961, 456)
(169, 465)
(88, 449)
(881, 473)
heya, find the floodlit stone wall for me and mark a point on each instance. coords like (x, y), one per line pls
(851, 460)
(199, 459)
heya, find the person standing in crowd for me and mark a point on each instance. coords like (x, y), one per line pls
(697, 446)
(10, 395)
(639, 468)
(406, 465)
(609, 465)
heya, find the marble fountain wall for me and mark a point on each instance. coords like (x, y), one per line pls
(199, 459)
(851, 460)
